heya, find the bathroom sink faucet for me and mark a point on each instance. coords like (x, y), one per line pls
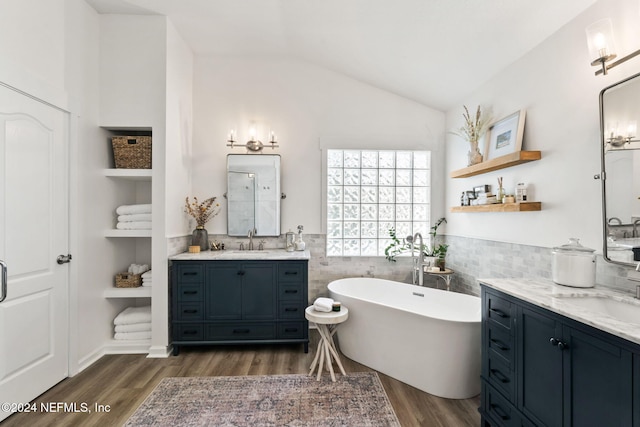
(417, 264)
(250, 235)
(635, 228)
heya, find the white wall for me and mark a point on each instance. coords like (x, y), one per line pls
(310, 109)
(179, 128)
(32, 35)
(93, 323)
(557, 87)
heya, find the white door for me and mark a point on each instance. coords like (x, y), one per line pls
(34, 324)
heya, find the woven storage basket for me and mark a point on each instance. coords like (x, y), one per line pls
(128, 280)
(132, 152)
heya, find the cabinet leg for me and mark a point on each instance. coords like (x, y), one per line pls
(176, 350)
(306, 347)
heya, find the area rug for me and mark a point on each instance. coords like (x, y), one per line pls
(357, 399)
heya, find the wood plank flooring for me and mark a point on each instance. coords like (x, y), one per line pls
(123, 382)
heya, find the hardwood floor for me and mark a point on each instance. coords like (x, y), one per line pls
(123, 382)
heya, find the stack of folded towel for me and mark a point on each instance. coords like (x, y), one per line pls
(133, 323)
(146, 279)
(134, 217)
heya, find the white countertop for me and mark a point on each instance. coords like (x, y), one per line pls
(545, 293)
(235, 255)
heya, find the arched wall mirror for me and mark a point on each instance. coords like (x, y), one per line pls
(253, 194)
(619, 118)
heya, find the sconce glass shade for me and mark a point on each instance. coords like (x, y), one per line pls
(601, 42)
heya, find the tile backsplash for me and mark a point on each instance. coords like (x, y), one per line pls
(470, 258)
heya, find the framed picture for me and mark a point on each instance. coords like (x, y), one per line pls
(505, 136)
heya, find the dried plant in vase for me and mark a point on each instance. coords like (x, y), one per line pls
(473, 129)
(201, 212)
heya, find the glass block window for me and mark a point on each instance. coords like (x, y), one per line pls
(370, 191)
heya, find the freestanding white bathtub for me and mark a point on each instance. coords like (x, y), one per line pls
(424, 337)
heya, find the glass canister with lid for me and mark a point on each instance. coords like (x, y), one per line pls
(574, 265)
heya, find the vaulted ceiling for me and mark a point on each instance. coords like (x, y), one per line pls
(432, 51)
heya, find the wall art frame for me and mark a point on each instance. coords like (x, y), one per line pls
(505, 136)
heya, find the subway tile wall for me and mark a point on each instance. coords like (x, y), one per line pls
(470, 258)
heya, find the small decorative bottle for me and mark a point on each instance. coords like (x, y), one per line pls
(290, 244)
(521, 192)
(500, 192)
(300, 245)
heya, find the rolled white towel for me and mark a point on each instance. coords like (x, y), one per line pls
(133, 315)
(134, 217)
(144, 335)
(133, 209)
(134, 327)
(147, 275)
(323, 304)
(138, 268)
(134, 225)
(147, 284)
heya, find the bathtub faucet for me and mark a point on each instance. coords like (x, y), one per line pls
(418, 263)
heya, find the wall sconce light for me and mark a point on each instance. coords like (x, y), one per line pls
(254, 144)
(602, 46)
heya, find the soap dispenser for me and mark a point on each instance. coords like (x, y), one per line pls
(300, 245)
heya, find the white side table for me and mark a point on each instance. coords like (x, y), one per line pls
(444, 275)
(327, 323)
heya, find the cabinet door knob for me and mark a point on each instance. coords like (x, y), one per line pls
(240, 273)
(562, 345)
(553, 341)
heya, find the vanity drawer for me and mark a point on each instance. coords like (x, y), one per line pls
(290, 292)
(500, 343)
(243, 331)
(190, 311)
(290, 310)
(291, 330)
(190, 292)
(500, 411)
(501, 376)
(190, 273)
(188, 332)
(291, 272)
(499, 310)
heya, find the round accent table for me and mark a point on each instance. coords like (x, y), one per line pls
(327, 323)
(444, 275)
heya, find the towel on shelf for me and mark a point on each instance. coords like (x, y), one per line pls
(146, 278)
(133, 209)
(134, 217)
(133, 315)
(138, 268)
(134, 225)
(323, 304)
(134, 327)
(145, 335)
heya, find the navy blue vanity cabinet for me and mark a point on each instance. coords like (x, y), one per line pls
(543, 369)
(238, 302)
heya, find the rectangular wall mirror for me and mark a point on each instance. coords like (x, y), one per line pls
(253, 194)
(619, 117)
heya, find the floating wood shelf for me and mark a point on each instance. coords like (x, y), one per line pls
(501, 207)
(498, 163)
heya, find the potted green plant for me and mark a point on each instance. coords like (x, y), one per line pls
(400, 246)
(441, 253)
